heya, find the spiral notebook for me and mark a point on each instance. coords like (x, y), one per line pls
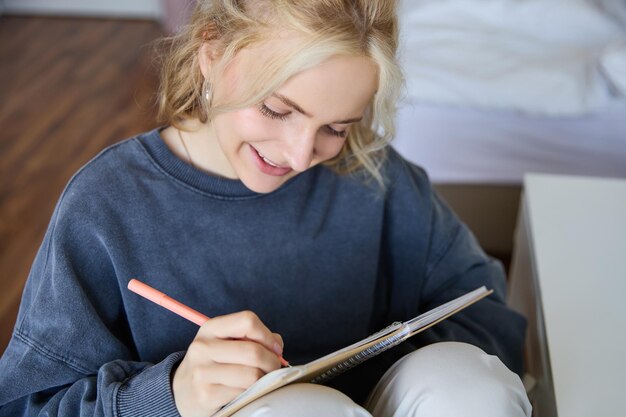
(340, 361)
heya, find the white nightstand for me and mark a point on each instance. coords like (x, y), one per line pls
(568, 277)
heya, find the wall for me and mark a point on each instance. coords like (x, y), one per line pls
(490, 211)
(151, 9)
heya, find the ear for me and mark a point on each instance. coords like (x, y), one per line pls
(208, 56)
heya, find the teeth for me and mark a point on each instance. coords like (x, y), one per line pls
(267, 160)
(270, 162)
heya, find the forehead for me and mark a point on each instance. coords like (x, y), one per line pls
(339, 86)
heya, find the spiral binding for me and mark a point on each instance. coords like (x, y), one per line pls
(360, 357)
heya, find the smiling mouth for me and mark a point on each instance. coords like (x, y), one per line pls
(268, 161)
(268, 166)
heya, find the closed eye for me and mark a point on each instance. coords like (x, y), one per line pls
(340, 133)
(267, 112)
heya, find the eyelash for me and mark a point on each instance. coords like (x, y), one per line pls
(267, 112)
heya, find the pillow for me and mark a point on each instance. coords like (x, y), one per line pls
(536, 56)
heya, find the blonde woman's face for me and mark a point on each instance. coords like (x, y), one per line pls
(304, 123)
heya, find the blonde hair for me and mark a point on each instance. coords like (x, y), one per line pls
(325, 28)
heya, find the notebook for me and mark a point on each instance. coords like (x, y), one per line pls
(335, 363)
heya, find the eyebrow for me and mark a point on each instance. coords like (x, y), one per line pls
(299, 109)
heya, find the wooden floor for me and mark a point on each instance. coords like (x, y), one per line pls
(68, 88)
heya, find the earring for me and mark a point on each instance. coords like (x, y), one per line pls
(207, 92)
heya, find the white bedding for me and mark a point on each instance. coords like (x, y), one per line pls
(550, 57)
(498, 88)
(459, 145)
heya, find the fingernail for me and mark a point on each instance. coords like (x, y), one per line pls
(277, 348)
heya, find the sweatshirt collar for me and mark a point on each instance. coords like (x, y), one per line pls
(200, 180)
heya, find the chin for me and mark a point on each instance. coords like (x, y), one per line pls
(263, 187)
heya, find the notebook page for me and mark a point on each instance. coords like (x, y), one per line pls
(411, 327)
(445, 310)
(335, 363)
(265, 384)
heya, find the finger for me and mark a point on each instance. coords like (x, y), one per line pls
(241, 325)
(242, 352)
(281, 343)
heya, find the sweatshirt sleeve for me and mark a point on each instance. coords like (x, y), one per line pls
(456, 265)
(72, 352)
(449, 263)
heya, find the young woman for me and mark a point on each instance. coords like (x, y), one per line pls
(272, 203)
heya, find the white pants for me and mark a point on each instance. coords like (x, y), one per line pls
(440, 380)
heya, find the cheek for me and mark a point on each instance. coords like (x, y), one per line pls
(249, 125)
(329, 147)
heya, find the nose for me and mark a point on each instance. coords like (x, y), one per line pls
(300, 150)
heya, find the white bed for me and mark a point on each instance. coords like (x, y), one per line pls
(499, 88)
(477, 146)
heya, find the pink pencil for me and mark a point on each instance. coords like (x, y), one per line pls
(174, 306)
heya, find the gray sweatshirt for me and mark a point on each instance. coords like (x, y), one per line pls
(325, 261)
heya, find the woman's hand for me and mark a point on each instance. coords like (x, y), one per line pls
(228, 354)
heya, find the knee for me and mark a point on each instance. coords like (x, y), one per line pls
(452, 378)
(303, 400)
(455, 365)
(461, 378)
